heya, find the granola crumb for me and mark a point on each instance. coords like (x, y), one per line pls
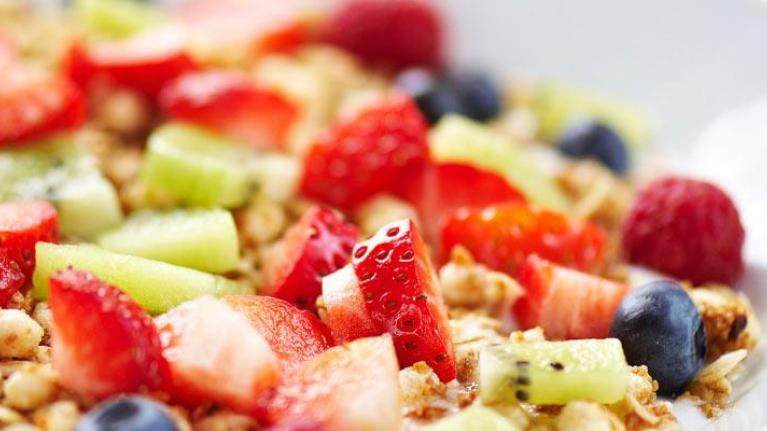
(587, 416)
(712, 388)
(30, 387)
(226, 421)
(19, 334)
(58, 416)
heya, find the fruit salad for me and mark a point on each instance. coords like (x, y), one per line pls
(258, 215)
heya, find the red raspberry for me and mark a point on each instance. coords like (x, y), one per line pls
(686, 228)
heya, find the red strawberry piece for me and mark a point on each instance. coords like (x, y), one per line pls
(345, 311)
(11, 279)
(564, 302)
(502, 236)
(103, 343)
(686, 228)
(375, 151)
(320, 243)
(399, 287)
(294, 335)
(300, 424)
(441, 189)
(22, 225)
(349, 387)
(144, 63)
(391, 33)
(232, 104)
(215, 354)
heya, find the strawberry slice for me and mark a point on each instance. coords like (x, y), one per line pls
(144, 63)
(103, 343)
(566, 303)
(502, 236)
(374, 151)
(401, 295)
(11, 279)
(294, 335)
(441, 189)
(349, 387)
(215, 354)
(345, 311)
(232, 104)
(320, 243)
(22, 225)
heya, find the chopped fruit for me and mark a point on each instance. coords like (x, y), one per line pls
(502, 236)
(143, 63)
(116, 18)
(349, 387)
(277, 176)
(294, 335)
(439, 190)
(592, 140)
(390, 33)
(660, 327)
(554, 372)
(215, 354)
(196, 166)
(399, 287)
(156, 286)
(199, 239)
(375, 151)
(69, 178)
(128, 413)
(320, 243)
(103, 343)
(230, 103)
(457, 139)
(11, 279)
(22, 225)
(33, 105)
(564, 302)
(474, 418)
(686, 228)
(345, 311)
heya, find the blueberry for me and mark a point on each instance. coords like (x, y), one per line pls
(659, 326)
(478, 93)
(129, 413)
(432, 95)
(590, 139)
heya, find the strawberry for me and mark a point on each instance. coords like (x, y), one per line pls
(502, 236)
(345, 311)
(144, 63)
(349, 387)
(372, 152)
(103, 343)
(686, 228)
(320, 243)
(11, 279)
(294, 335)
(565, 303)
(441, 189)
(215, 354)
(389, 33)
(230, 103)
(399, 287)
(22, 225)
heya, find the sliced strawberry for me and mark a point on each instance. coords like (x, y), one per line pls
(401, 295)
(144, 63)
(565, 303)
(374, 151)
(440, 189)
(11, 279)
(215, 354)
(232, 104)
(502, 236)
(22, 225)
(349, 387)
(345, 311)
(103, 343)
(294, 335)
(320, 243)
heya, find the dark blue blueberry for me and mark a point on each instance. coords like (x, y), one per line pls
(589, 139)
(432, 95)
(478, 93)
(130, 413)
(659, 326)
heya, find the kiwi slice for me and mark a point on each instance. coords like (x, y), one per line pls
(200, 239)
(115, 18)
(68, 177)
(554, 372)
(474, 418)
(156, 286)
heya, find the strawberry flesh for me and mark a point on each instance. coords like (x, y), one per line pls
(22, 225)
(399, 287)
(345, 311)
(103, 343)
(11, 280)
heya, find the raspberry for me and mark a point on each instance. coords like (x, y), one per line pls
(686, 228)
